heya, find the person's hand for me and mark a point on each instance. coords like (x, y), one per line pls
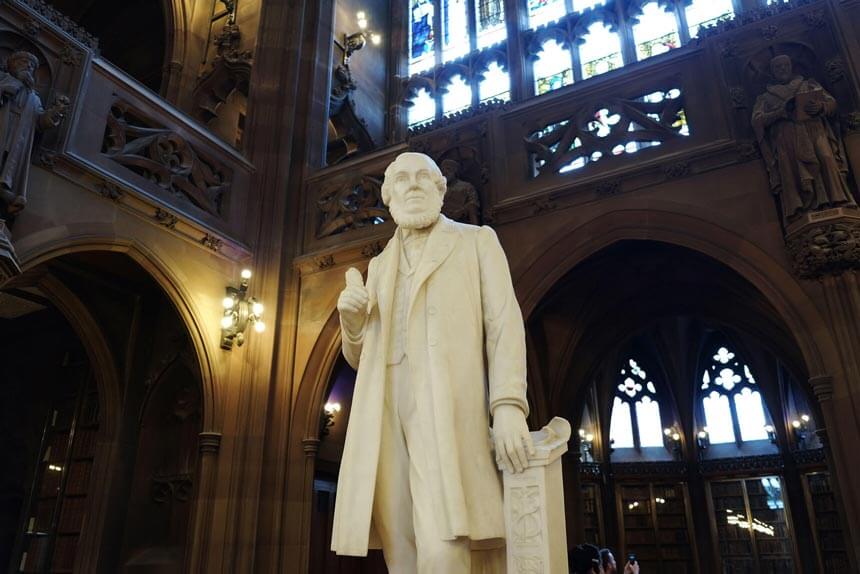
(352, 303)
(631, 568)
(512, 439)
(813, 107)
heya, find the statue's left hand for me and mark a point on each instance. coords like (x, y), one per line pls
(512, 439)
(813, 108)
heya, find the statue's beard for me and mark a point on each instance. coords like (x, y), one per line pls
(26, 78)
(420, 220)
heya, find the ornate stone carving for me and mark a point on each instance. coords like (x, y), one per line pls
(815, 18)
(461, 199)
(767, 463)
(803, 152)
(598, 131)
(738, 96)
(543, 205)
(352, 206)
(21, 114)
(373, 249)
(347, 132)
(165, 218)
(769, 32)
(65, 23)
(109, 190)
(667, 467)
(525, 509)
(212, 242)
(230, 70)
(608, 188)
(809, 457)
(165, 158)
(834, 69)
(32, 28)
(677, 170)
(70, 56)
(826, 249)
(177, 487)
(324, 262)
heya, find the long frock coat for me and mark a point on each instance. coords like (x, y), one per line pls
(467, 355)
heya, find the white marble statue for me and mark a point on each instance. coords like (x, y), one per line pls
(438, 340)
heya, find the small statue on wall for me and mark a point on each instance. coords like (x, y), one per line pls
(21, 114)
(804, 153)
(461, 200)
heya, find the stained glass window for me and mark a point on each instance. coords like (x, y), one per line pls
(490, 18)
(454, 23)
(544, 11)
(581, 5)
(496, 84)
(706, 13)
(600, 51)
(421, 38)
(552, 69)
(656, 31)
(731, 400)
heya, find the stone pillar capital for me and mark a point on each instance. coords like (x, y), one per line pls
(210, 442)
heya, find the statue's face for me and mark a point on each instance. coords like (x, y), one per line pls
(22, 69)
(781, 68)
(415, 200)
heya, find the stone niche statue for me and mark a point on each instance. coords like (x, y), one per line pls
(805, 155)
(21, 114)
(461, 200)
(418, 476)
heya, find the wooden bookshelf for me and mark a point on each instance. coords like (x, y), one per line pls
(830, 546)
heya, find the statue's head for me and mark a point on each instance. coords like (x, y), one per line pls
(781, 69)
(22, 65)
(450, 168)
(413, 190)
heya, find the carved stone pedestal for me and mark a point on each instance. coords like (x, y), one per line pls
(9, 266)
(534, 506)
(824, 242)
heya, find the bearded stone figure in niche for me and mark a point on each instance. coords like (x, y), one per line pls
(804, 154)
(21, 114)
(461, 199)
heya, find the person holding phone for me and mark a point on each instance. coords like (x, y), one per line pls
(610, 566)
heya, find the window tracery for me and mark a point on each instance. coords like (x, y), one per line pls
(635, 421)
(734, 411)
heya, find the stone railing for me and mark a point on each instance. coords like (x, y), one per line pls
(125, 143)
(651, 122)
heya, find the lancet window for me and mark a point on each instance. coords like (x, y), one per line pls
(635, 421)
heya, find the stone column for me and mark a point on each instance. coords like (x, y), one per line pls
(210, 444)
(534, 506)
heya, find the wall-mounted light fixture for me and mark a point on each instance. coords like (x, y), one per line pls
(703, 439)
(673, 440)
(354, 42)
(586, 445)
(329, 413)
(240, 311)
(771, 433)
(801, 428)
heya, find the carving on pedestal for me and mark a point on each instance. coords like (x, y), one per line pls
(325, 262)
(212, 242)
(230, 71)
(525, 509)
(825, 249)
(109, 190)
(164, 158)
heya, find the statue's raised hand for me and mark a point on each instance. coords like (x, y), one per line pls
(352, 303)
(511, 438)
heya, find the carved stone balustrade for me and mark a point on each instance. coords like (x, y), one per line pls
(123, 142)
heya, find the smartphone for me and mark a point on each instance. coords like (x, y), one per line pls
(631, 558)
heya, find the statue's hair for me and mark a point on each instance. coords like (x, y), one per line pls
(23, 55)
(435, 173)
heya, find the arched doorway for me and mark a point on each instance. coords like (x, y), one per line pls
(628, 344)
(104, 461)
